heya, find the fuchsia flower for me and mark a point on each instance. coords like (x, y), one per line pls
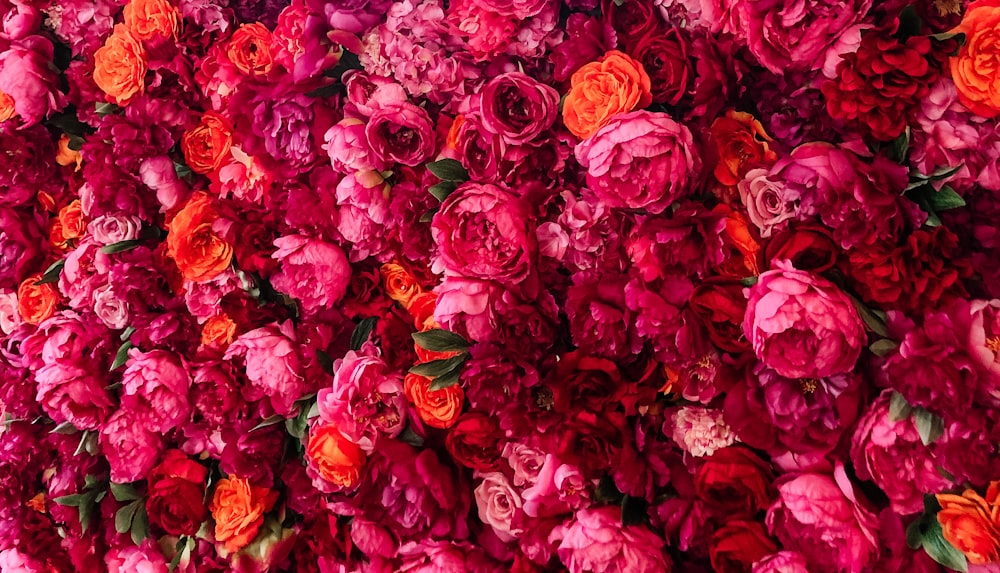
(595, 541)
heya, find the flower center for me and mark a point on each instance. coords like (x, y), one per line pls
(946, 7)
(809, 385)
(993, 344)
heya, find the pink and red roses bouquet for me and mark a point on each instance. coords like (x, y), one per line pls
(477, 285)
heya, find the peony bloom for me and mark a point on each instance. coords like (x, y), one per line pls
(595, 541)
(69, 393)
(401, 133)
(517, 107)
(131, 448)
(801, 325)
(782, 562)
(272, 365)
(28, 81)
(640, 160)
(176, 494)
(737, 545)
(699, 431)
(348, 147)
(314, 272)
(155, 387)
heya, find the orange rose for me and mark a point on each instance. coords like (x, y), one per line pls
(71, 220)
(337, 459)
(238, 509)
(975, 68)
(603, 89)
(421, 308)
(120, 66)
(6, 107)
(147, 19)
(742, 144)
(35, 303)
(219, 330)
(971, 525)
(67, 156)
(400, 284)
(250, 49)
(437, 408)
(200, 253)
(737, 236)
(206, 146)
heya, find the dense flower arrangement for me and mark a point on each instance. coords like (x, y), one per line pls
(593, 286)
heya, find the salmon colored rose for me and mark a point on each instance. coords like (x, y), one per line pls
(600, 90)
(120, 66)
(192, 242)
(71, 221)
(147, 19)
(207, 145)
(218, 331)
(972, 525)
(400, 284)
(7, 110)
(335, 458)
(742, 144)
(976, 67)
(436, 408)
(250, 49)
(35, 303)
(238, 509)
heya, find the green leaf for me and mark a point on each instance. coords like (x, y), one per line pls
(73, 500)
(123, 492)
(871, 320)
(899, 149)
(325, 361)
(940, 550)
(123, 517)
(447, 379)
(86, 509)
(122, 356)
(65, 428)
(410, 437)
(909, 23)
(929, 426)
(88, 443)
(883, 346)
(103, 108)
(443, 189)
(915, 533)
(296, 427)
(946, 198)
(899, 408)
(436, 368)
(429, 215)
(140, 525)
(438, 340)
(269, 421)
(120, 247)
(182, 170)
(51, 274)
(448, 170)
(932, 218)
(748, 281)
(362, 331)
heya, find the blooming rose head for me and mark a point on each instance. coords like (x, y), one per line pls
(806, 247)
(666, 58)
(974, 68)
(474, 442)
(28, 84)
(517, 107)
(120, 66)
(314, 272)
(147, 19)
(769, 204)
(720, 306)
(484, 231)
(333, 462)
(499, 505)
(736, 546)
(436, 408)
(176, 494)
(742, 144)
(802, 325)
(640, 160)
(194, 241)
(401, 133)
(969, 523)
(736, 481)
(601, 90)
(595, 541)
(36, 302)
(249, 49)
(238, 509)
(207, 144)
(782, 562)
(114, 228)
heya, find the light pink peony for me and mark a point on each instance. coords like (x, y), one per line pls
(114, 228)
(13, 561)
(595, 541)
(158, 174)
(314, 272)
(499, 505)
(468, 306)
(272, 365)
(10, 318)
(348, 148)
(640, 160)
(801, 325)
(155, 387)
(700, 431)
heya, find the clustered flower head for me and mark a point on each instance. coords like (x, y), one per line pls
(597, 286)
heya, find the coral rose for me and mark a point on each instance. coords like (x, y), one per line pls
(192, 241)
(120, 66)
(35, 303)
(972, 525)
(207, 145)
(600, 90)
(437, 408)
(238, 509)
(218, 331)
(147, 19)
(400, 285)
(333, 457)
(71, 220)
(975, 69)
(250, 49)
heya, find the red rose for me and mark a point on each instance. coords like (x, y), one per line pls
(741, 144)
(720, 307)
(583, 382)
(664, 56)
(735, 481)
(738, 545)
(254, 248)
(808, 247)
(631, 19)
(176, 499)
(474, 442)
(591, 442)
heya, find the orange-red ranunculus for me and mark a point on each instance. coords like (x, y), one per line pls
(976, 67)
(336, 459)
(200, 253)
(436, 408)
(206, 146)
(238, 509)
(971, 524)
(35, 303)
(120, 66)
(742, 144)
(603, 89)
(147, 19)
(250, 49)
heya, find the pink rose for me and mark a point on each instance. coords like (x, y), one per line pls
(112, 310)
(525, 461)
(499, 505)
(401, 133)
(640, 160)
(821, 517)
(29, 78)
(314, 272)
(801, 325)
(114, 228)
(484, 231)
(272, 365)
(368, 93)
(155, 387)
(517, 107)
(69, 393)
(769, 204)
(595, 541)
(348, 147)
(129, 446)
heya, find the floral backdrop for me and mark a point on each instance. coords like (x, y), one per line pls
(592, 286)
